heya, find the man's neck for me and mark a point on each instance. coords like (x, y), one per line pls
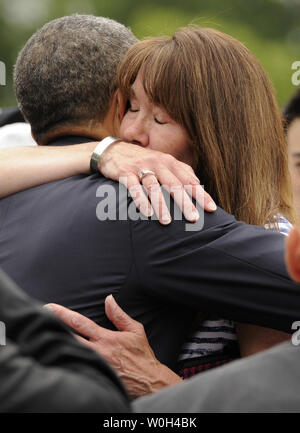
(69, 140)
(92, 129)
(95, 133)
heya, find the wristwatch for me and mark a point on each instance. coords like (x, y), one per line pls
(99, 149)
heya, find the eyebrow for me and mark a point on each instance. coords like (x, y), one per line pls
(296, 155)
(132, 92)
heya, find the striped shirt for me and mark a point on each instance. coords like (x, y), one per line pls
(215, 334)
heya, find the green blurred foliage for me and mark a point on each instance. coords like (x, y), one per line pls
(269, 28)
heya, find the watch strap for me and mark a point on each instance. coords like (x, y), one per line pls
(99, 149)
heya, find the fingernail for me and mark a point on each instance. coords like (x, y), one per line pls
(111, 299)
(194, 216)
(149, 212)
(212, 206)
(48, 307)
(113, 303)
(146, 210)
(166, 219)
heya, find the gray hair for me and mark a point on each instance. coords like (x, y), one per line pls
(66, 73)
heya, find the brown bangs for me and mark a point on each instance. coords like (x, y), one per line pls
(161, 64)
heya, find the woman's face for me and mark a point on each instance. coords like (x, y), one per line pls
(149, 125)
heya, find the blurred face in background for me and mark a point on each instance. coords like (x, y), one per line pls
(293, 139)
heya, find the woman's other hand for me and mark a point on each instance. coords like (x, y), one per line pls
(127, 350)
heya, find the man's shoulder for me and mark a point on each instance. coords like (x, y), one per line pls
(54, 231)
(79, 188)
(215, 234)
(67, 204)
(208, 226)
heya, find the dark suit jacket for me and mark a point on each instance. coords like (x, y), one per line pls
(42, 366)
(55, 247)
(10, 115)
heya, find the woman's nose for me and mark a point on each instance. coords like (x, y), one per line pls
(137, 133)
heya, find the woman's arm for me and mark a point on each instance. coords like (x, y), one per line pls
(253, 339)
(25, 167)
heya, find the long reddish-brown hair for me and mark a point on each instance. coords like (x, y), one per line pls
(214, 87)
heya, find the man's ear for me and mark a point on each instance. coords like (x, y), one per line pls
(292, 253)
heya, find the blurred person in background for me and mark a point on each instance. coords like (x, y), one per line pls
(44, 369)
(10, 115)
(14, 131)
(292, 115)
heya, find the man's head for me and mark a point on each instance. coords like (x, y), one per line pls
(292, 115)
(66, 73)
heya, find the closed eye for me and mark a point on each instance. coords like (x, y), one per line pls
(160, 123)
(130, 108)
